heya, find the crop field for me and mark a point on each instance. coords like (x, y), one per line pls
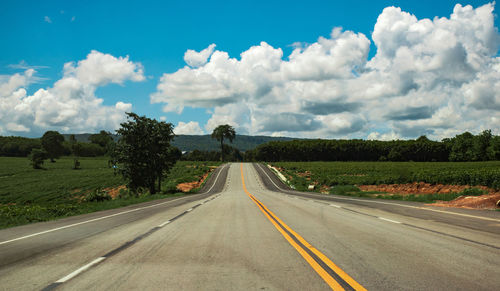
(342, 176)
(29, 195)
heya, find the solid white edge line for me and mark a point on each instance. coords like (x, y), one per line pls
(270, 178)
(165, 223)
(82, 269)
(87, 221)
(190, 209)
(216, 178)
(104, 217)
(423, 208)
(390, 220)
(335, 205)
(397, 204)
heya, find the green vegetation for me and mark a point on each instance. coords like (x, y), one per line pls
(353, 191)
(463, 147)
(29, 195)
(52, 143)
(37, 158)
(375, 173)
(222, 132)
(144, 151)
(231, 154)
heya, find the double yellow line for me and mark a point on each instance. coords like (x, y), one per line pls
(335, 277)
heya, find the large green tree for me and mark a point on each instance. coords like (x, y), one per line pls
(222, 132)
(144, 152)
(52, 143)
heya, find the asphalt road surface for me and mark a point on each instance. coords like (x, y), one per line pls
(248, 231)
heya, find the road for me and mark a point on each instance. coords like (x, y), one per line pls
(248, 232)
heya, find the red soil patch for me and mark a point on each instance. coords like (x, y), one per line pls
(324, 189)
(114, 191)
(420, 188)
(188, 186)
(487, 201)
(473, 202)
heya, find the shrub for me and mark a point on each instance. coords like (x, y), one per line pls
(474, 192)
(36, 157)
(97, 196)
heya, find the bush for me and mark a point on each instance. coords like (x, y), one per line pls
(473, 192)
(97, 196)
(36, 157)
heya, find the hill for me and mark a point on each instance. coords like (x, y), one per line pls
(204, 142)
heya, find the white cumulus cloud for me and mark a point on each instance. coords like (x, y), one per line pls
(196, 59)
(70, 105)
(191, 127)
(437, 77)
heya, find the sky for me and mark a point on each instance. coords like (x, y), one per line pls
(315, 69)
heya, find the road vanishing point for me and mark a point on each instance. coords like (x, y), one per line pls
(246, 230)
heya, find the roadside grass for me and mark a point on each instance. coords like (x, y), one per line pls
(353, 191)
(375, 173)
(28, 195)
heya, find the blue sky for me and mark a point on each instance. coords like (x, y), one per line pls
(45, 35)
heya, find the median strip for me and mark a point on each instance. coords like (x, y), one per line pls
(335, 277)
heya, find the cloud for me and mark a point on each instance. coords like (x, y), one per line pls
(22, 65)
(325, 108)
(191, 127)
(411, 113)
(197, 59)
(99, 69)
(47, 19)
(70, 105)
(428, 76)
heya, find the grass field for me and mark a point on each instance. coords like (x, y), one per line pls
(342, 176)
(29, 195)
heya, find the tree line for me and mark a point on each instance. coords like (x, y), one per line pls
(464, 147)
(15, 146)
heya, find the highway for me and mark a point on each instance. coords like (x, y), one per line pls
(248, 231)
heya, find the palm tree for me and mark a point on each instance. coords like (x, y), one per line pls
(221, 132)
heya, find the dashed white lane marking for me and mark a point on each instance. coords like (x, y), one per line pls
(190, 209)
(165, 223)
(107, 216)
(91, 220)
(335, 205)
(396, 204)
(82, 269)
(390, 220)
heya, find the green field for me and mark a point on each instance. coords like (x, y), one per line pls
(341, 176)
(29, 195)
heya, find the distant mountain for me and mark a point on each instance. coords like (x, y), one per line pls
(204, 142)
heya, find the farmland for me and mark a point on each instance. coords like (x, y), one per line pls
(29, 195)
(339, 177)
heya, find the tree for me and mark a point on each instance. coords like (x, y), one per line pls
(481, 144)
(103, 138)
(52, 143)
(76, 150)
(144, 151)
(222, 132)
(36, 158)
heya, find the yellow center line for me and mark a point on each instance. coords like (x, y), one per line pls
(321, 272)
